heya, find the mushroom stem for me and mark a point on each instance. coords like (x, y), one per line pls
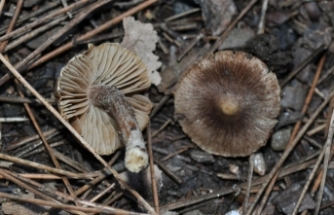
(114, 102)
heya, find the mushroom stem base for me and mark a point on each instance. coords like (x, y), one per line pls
(115, 103)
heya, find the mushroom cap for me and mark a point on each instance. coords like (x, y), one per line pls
(227, 103)
(106, 64)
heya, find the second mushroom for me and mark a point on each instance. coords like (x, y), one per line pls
(227, 103)
(98, 93)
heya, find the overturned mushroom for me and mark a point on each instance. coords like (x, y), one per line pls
(227, 103)
(97, 93)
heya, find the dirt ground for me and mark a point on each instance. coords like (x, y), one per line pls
(45, 167)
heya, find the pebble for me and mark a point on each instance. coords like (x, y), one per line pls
(280, 139)
(201, 156)
(293, 96)
(288, 118)
(260, 166)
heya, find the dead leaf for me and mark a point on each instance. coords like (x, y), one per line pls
(141, 38)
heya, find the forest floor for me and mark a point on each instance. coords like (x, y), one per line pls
(45, 167)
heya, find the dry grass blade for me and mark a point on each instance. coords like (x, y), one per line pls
(309, 180)
(327, 149)
(74, 132)
(12, 24)
(153, 179)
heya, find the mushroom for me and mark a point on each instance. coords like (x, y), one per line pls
(98, 94)
(227, 103)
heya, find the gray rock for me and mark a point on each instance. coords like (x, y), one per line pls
(280, 139)
(293, 96)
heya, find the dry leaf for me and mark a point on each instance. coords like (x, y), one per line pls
(142, 38)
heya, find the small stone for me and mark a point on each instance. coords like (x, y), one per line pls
(280, 139)
(260, 166)
(201, 156)
(288, 118)
(293, 96)
(237, 38)
(36, 42)
(234, 169)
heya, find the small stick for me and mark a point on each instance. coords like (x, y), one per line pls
(168, 172)
(325, 76)
(308, 182)
(313, 142)
(49, 17)
(13, 119)
(190, 46)
(69, 14)
(159, 105)
(11, 99)
(267, 193)
(180, 15)
(12, 24)
(69, 161)
(98, 38)
(99, 195)
(153, 179)
(249, 181)
(198, 199)
(327, 149)
(37, 176)
(316, 130)
(161, 128)
(27, 153)
(226, 176)
(260, 30)
(170, 155)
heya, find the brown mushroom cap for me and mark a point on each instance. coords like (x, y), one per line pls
(106, 64)
(227, 103)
